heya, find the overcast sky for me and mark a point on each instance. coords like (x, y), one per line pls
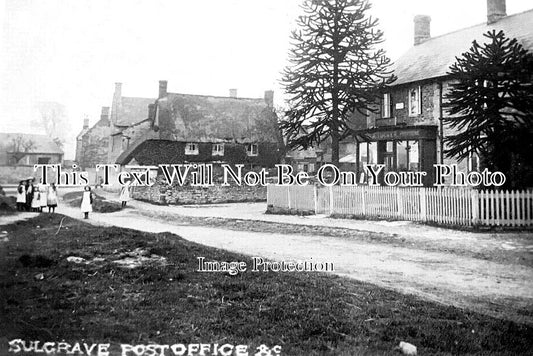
(73, 51)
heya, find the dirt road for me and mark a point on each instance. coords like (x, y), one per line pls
(438, 274)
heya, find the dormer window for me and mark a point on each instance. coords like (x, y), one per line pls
(252, 149)
(414, 102)
(218, 149)
(191, 148)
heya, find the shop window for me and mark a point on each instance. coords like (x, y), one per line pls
(414, 156)
(368, 154)
(218, 149)
(414, 102)
(402, 154)
(191, 148)
(407, 157)
(43, 160)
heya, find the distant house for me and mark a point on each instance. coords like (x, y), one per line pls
(181, 128)
(18, 149)
(92, 143)
(407, 133)
(312, 158)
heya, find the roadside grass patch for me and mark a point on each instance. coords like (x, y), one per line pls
(100, 204)
(305, 313)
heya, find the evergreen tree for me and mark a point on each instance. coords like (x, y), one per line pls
(335, 69)
(491, 108)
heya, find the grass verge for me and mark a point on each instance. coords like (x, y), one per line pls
(100, 204)
(305, 313)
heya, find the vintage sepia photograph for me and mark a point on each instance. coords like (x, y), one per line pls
(266, 177)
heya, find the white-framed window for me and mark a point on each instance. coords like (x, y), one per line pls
(415, 104)
(218, 149)
(386, 106)
(191, 148)
(252, 149)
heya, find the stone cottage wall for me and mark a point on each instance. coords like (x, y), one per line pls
(162, 193)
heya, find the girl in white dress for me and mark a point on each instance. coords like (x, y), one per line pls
(87, 202)
(125, 194)
(52, 198)
(43, 192)
(36, 200)
(21, 196)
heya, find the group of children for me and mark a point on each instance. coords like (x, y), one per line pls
(36, 198)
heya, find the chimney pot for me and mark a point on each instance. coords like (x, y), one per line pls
(269, 98)
(496, 10)
(233, 93)
(422, 29)
(118, 89)
(162, 88)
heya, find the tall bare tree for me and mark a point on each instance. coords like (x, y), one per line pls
(335, 69)
(19, 147)
(54, 121)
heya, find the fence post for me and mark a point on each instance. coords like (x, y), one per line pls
(423, 204)
(315, 198)
(399, 202)
(289, 197)
(474, 196)
(330, 200)
(363, 199)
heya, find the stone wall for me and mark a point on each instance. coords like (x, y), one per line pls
(161, 193)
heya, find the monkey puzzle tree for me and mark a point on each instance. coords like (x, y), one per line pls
(335, 69)
(490, 107)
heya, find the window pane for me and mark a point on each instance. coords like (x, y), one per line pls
(363, 155)
(386, 105)
(373, 153)
(401, 155)
(390, 146)
(414, 156)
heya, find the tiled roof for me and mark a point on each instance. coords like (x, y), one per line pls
(132, 110)
(41, 143)
(434, 57)
(199, 118)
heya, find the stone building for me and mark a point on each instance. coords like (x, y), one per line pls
(92, 142)
(18, 149)
(181, 128)
(407, 133)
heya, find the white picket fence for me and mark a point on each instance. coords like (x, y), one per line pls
(450, 206)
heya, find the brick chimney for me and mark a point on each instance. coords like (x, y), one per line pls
(117, 102)
(85, 123)
(269, 98)
(233, 93)
(496, 10)
(422, 29)
(104, 115)
(162, 89)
